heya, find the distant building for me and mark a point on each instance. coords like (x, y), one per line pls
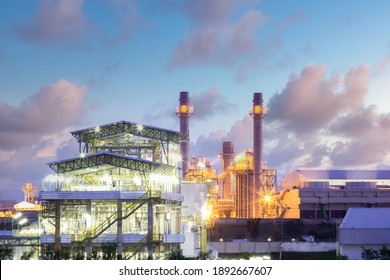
(328, 194)
(364, 227)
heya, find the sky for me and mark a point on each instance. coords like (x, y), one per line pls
(323, 68)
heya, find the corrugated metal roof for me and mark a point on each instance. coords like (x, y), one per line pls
(366, 218)
(346, 174)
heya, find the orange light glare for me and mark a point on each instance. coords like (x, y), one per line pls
(184, 109)
(257, 109)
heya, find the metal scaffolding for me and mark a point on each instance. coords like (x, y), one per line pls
(124, 192)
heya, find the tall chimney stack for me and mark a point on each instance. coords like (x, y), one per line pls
(227, 154)
(257, 112)
(184, 112)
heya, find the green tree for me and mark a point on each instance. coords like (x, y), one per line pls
(372, 254)
(205, 256)
(175, 255)
(293, 229)
(27, 255)
(95, 254)
(6, 253)
(245, 256)
(109, 251)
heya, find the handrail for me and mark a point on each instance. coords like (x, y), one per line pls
(96, 231)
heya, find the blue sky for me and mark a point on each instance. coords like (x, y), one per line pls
(323, 67)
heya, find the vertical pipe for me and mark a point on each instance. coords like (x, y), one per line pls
(119, 229)
(184, 112)
(57, 232)
(88, 246)
(150, 229)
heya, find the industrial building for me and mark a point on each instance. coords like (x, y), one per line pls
(122, 188)
(328, 194)
(367, 228)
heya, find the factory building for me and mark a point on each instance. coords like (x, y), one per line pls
(367, 228)
(328, 194)
(123, 188)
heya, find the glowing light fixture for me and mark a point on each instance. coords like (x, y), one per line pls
(23, 221)
(267, 198)
(17, 215)
(205, 212)
(140, 127)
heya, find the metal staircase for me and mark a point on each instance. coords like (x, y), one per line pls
(96, 231)
(154, 239)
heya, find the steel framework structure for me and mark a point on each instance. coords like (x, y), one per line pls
(94, 213)
(115, 160)
(165, 135)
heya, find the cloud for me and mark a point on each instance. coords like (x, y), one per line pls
(293, 19)
(101, 79)
(364, 138)
(209, 103)
(127, 17)
(215, 37)
(50, 110)
(227, 33)
(55, 21)
(364, 151)
(36, 132)
(206, 104)
(240, 133)
(316, 121)
(311, 101)
(361, 121)
(28, 164)
(382, 66)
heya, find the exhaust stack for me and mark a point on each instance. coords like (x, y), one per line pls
(184, 112)
(257, 112)
(227, 154)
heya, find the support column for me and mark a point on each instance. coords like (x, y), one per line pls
(88, 246)
(57, 225)
(150, 229)
(119, 227)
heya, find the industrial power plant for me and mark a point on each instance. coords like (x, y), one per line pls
(137, 187)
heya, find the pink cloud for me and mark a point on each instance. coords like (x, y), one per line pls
(311, 101)
(382, 66)
(209, 103)
(50, 110)
(55, 21)
(215, 36)
(316, 121)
